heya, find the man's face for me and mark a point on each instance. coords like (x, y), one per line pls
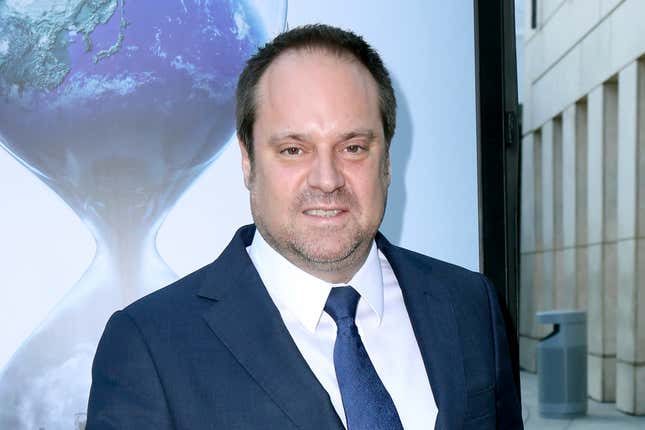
(320, 173)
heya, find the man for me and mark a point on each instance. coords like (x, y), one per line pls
(311, 319)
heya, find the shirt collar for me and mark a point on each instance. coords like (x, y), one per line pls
(303, 295)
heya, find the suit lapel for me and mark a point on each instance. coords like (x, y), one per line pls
(429, 305)
(247, 322)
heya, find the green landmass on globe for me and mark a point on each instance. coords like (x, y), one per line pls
(33, 48)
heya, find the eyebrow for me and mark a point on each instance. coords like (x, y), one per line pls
(368, 134)
(365, 133)
(279, 137)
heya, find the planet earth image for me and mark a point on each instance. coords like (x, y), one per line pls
(118, 106)
(86, 82)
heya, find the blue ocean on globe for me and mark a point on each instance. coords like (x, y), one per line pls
(143, 87)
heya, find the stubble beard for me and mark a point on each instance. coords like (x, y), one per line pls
(307, 249)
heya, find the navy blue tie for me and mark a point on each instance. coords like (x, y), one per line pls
(367, 404)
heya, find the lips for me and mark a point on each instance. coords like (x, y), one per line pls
(326, 213)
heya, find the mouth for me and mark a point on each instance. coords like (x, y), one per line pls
(323, 213)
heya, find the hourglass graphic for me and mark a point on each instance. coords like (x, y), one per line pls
(117, 106)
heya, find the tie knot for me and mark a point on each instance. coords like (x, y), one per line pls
(342, 303)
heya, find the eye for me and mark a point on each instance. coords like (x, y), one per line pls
(291, 151)
(354, 149)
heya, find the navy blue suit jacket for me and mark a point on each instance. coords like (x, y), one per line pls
(212, 352)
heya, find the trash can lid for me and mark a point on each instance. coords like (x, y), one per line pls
(561, 316)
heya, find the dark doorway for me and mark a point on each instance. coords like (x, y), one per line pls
(499, 156)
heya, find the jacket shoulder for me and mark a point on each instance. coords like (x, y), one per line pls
(171, 300)
(458, 278)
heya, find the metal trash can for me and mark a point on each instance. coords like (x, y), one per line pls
(562, 364)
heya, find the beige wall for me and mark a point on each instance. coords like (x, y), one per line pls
(583, 186)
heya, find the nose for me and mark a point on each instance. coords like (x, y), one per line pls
(325, 173)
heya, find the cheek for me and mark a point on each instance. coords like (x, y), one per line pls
(275, 186)
(380, 193)
(378, 196)
(370, 193)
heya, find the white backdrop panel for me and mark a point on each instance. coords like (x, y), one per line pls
(433, 207)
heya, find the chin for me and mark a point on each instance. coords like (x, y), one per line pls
(327, 250)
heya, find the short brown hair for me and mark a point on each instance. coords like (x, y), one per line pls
(333, 39)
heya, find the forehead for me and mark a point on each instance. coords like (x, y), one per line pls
(317, 89)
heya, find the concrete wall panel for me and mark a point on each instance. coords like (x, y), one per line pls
(611, 44)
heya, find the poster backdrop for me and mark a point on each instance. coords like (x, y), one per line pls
(130, 178)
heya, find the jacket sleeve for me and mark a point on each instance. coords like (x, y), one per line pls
(507, 404)
(126, 392)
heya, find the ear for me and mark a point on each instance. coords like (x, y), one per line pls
(387, 171)
(246, 163)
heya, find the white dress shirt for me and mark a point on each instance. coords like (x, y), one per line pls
(381, 318)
